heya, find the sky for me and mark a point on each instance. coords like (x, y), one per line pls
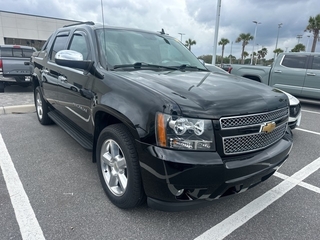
(194, 19)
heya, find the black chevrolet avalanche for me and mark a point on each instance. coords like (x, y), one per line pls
(160, 125)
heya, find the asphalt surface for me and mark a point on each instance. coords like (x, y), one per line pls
(68, 202)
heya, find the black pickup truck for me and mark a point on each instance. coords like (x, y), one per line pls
(160, 125)
(14, 65)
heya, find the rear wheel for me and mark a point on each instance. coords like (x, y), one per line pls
(42, 108)
(118, 167)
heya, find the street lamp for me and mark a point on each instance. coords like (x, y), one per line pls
(308, 43)
(231, 53)
(299, 37)
(181, 35)
(279, 26)
(254, 38)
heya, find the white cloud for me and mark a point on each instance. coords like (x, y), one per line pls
(194, 18)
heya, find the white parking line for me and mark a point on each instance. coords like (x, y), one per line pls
(302, 184)
(310, 111)
(28, 223)
(308, 131)
(227, 226)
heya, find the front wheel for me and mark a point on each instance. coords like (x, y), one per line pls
(42, 108)
(118, 167)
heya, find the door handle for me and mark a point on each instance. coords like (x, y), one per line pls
(45, 71)
(62, 79)
(277, 71)
(311, 74)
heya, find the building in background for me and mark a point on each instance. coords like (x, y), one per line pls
(28, 30)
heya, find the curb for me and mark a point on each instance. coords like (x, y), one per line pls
(17, 109)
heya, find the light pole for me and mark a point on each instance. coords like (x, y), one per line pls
(279, 26)
(299, 37)
(231, 53)
(181, 35)
(216, 31)
(254, 38)
(308, 43)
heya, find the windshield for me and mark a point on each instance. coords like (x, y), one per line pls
(119, 47)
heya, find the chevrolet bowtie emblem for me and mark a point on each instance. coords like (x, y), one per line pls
(268, 127)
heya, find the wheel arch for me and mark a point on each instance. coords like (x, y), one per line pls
(252, 77)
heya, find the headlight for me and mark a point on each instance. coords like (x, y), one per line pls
(184, 133)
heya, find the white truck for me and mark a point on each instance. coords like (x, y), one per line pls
(296, 73)
(14, 65)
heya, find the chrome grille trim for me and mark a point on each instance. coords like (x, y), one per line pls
(252, 142)
(253, 119)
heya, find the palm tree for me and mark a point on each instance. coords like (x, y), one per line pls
(189, 43)
(314, 27)
(299, 48)
(223, 42)
(263, 52)
(244, 38)
(277, 51)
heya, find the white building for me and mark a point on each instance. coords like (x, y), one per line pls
(29, 30)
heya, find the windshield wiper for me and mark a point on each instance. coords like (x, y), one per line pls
(186, 66)
(139, 65)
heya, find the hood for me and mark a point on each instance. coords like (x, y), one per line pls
(210, 95)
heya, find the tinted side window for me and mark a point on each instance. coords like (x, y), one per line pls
(316, 62)
(17, 52)
(59, 44)
(294, 61)
(27, 53)
(6, 52)
(79, 44)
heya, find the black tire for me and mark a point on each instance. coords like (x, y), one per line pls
(42, 108)
(120, 174)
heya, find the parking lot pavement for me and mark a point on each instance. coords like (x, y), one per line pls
(16, 99)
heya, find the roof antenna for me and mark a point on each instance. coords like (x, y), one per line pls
(104, 35)
(162, 31)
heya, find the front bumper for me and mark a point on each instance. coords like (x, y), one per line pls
(179, 180)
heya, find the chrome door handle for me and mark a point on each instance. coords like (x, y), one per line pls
(311, 74)
(277, 71)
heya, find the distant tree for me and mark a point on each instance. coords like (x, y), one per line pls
(263, 52)
(206, 58)
(223, 42)
(299, 48)
(245, 55)
(314, 27)
(189, 43)
(231, 58)
(244, 38)
(277, 51)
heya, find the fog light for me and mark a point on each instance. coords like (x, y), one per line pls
(179, 192)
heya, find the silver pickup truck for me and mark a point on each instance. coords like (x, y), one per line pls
(296, 73)
(14, 65)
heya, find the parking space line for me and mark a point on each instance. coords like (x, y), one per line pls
(237, 219)
(308, 131)
(302, 184)
(28, 223)
(310, 111)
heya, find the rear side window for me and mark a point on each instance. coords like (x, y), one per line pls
(294, 61)
(316, 63)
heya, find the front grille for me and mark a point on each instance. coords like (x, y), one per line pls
(254, 119)
(252, 142)
(243, 143)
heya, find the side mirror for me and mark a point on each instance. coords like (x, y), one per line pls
(73, 59)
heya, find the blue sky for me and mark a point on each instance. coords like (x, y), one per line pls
(194, 18)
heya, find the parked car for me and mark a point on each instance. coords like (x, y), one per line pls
(296, 73)
(295, 106)
(159, 124)
(14, 65)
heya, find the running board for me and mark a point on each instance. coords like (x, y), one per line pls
(80, 137)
